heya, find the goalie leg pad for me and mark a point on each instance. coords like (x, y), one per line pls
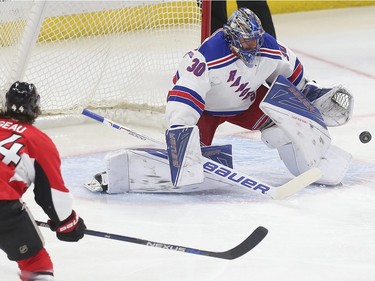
(298, 122)
(184, 155)
(274, 137)
(301, 137)
(333, 165)
(219, 153)
(147, 170)
(117, 164)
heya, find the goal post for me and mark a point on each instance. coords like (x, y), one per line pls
(97, 54)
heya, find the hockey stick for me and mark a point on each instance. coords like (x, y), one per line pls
(228, 175)
(245, 246)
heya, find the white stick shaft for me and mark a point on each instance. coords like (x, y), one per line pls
(117, 126)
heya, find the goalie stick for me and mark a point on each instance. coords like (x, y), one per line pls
(245, 246)
(228, 175)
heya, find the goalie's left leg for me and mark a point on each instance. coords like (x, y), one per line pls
(301, 135)
(333, 164)
(147, 170)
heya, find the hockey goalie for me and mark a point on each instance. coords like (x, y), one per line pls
(244, 76)
(297, 129)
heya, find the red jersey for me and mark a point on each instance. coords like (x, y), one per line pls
(28, 156)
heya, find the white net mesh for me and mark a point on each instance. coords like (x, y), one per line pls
(96, 54)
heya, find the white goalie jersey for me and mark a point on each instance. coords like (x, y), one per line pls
(213, 79)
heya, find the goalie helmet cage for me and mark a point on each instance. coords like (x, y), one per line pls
(111, 56)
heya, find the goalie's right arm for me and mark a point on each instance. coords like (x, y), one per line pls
(185, 105)
(186, 100)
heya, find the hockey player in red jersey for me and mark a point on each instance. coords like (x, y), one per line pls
(28, 156)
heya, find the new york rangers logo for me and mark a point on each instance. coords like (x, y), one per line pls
(242, 88)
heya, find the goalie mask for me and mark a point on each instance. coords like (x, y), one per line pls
(245, 34)
(23, 98)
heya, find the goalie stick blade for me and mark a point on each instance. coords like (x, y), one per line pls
(296, 184)
(247, 245)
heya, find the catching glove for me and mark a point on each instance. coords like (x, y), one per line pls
(71, 229)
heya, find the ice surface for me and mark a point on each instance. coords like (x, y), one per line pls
(319, 234)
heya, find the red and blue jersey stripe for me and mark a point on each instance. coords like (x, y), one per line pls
(187, 96)
(270, 53)
(222, 62)
(297, 75)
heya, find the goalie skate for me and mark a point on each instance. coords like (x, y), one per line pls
(99, 183)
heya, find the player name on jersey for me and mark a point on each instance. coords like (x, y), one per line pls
(12, 126)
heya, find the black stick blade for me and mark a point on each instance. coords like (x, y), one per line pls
(248, 244)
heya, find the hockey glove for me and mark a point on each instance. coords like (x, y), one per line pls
(71, 229)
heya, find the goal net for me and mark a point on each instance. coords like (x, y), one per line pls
(96, 54)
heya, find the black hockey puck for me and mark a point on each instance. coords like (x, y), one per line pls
(365, 137)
